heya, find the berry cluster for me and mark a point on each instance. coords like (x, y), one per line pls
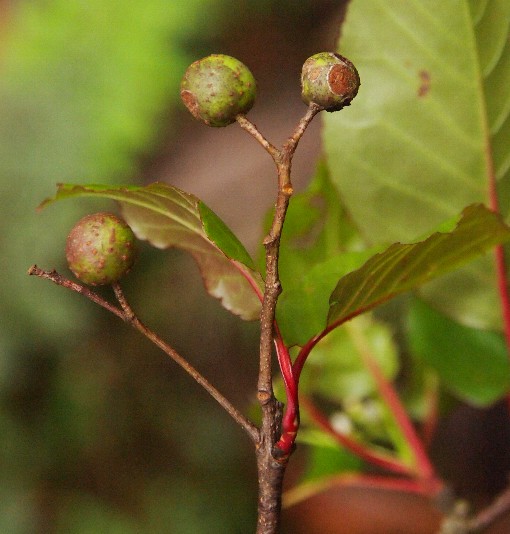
(217, 90)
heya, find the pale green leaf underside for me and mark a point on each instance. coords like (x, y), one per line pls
(403, 267)
(429, 124)
(168, 217)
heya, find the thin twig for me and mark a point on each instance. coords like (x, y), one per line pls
(127, 314)
(271, 459)
(245, 423)
(283, 161)
(292, 142)
(491, 513)
(58, 279)
(247, 125)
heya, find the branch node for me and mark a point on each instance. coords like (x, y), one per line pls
(264, 397)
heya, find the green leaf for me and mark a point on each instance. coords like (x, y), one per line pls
(302, 310)
(316, 229)
(335, 370)
(429, 127)
(402, 267)
(337, 373)
(329, 460)
(168, 217)
(472, 364)
(318, 246)
(223, 237)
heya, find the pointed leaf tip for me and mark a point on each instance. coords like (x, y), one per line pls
(403, 267)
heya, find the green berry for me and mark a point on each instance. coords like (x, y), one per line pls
(329, 80)
(217, 88)
(100, 249)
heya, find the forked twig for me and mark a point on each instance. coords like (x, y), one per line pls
(126, 313)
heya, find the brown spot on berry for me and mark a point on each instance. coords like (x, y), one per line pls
(338, 80)
(191, 103)
(329, 80)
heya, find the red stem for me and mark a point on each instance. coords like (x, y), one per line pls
(290, 420)
(423, 466)
(307, 348)
(499, 252)
(360, 450)
(503, 291)
(430, 420)
(310, 344)
(499, 256)
(397, 484)
(405, 485)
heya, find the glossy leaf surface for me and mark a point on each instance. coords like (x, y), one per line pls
(402, 267)
(168, 217)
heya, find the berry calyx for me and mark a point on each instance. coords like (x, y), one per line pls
(217, 88)
(329, 80)
(100, 249)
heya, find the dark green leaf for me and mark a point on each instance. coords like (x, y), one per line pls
(405, 266)
(218, 232)
(473, 364)
(169, 217)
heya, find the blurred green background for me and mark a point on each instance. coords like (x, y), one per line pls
(98, 431)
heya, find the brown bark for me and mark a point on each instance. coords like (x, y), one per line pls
(271, 470)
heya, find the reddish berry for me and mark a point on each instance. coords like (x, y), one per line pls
(100, 249)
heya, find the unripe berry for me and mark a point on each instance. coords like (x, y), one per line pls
(100, 249)
(217, 88)
(329, 80)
